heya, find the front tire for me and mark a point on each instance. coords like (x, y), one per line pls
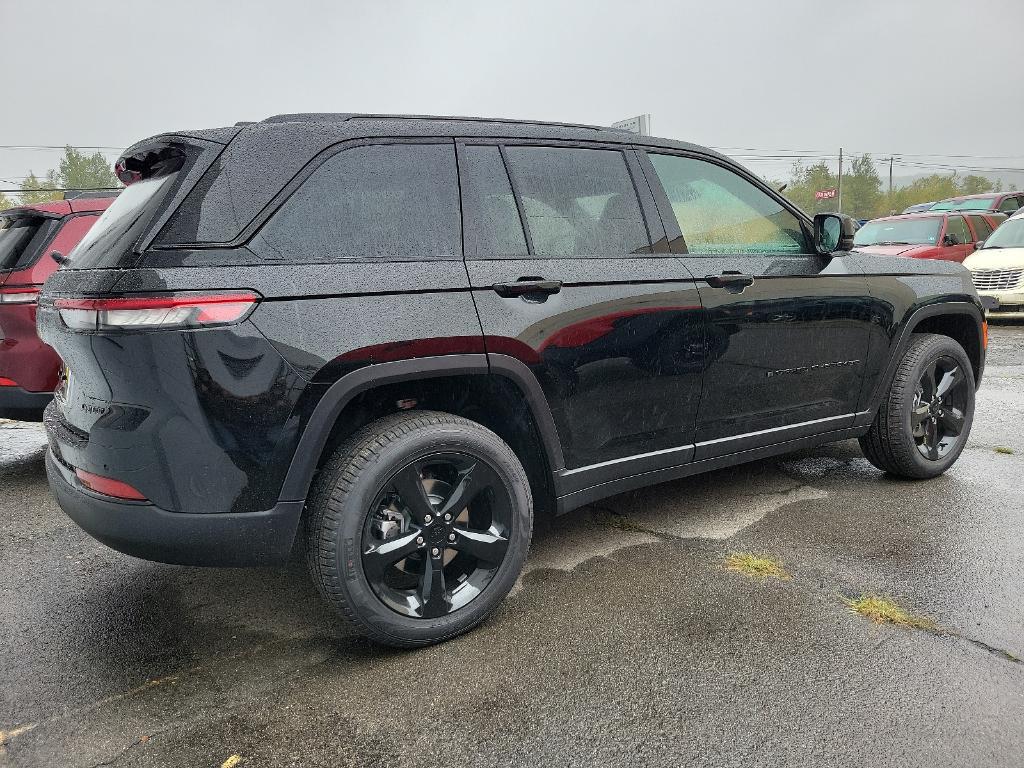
(418, 526)
(925, 417)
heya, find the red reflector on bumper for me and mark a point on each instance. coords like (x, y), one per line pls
(5, 382)
(108, 486)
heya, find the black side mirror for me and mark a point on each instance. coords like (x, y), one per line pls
(833, 232)
(60, 258)
(951, 240)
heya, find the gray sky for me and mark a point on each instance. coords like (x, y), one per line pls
(904, 76)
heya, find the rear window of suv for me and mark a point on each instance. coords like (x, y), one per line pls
(21, 238)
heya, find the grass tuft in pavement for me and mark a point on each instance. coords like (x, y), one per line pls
(1004, 449)
(755, 566)
(882, 610)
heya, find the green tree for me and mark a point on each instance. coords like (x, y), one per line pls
(862, 189)
(31, 191)
(805, 180)
(5, 202)
(77, 170)
(923, 190)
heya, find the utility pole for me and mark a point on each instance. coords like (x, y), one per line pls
(890, 180)
(840, 193)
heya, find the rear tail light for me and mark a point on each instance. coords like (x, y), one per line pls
(165, 311)
(5, 382)
(108, 486)
(19, 295)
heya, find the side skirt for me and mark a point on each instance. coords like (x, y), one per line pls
(571, 501)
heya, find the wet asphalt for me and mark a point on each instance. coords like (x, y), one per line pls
(626, 642)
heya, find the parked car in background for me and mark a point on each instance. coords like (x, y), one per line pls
(1003, 202)
(919, 207)
(29, 236)
(946, 236)
(997, 269)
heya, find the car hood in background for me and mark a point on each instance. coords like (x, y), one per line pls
(895, 250)
(996, 258)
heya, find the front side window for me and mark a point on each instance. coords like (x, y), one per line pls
(386, 202)
(578, 202)
(720, 212)
(1009, 205)
(957, 227)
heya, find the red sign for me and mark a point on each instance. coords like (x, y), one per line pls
(826, 194)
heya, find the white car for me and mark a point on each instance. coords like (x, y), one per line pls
(997, 268)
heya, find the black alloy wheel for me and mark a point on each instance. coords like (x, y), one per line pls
(939, 409)
(436, 534)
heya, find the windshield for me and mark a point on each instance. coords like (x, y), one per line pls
(973, 204)
(899, 232)
(1009, 235)
(120, 225)
(18, 241)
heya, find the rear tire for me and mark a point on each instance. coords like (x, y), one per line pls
(925, 417)
(393, 546)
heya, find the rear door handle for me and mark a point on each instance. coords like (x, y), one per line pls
(526, 286)
(729, 280)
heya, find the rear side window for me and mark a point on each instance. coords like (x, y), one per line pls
(720, 212)
(121, 224)
(394, 201)
(21, 238)
(981, 227)
(490, 215)
(577, 202)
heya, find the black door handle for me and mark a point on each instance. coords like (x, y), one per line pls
(527, 286)
(729, 280)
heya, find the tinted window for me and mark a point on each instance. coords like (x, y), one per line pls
(981, 227)
(720, 212)
(1009, 205)
(955, 226)
(578, 202)
(490, 216)
(398, 201)
(20, 238)
(121, 225)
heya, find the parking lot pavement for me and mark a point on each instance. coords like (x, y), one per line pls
(626, 643)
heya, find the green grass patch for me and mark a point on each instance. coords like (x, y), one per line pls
(1003, 449)
(755, 566)
(882, 610)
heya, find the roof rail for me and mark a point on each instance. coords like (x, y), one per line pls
(340, 117)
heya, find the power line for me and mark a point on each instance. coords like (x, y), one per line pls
(21, 191)
(45, 147)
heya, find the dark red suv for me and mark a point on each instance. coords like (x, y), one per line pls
(29, 235)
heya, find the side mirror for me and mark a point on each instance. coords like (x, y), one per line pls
(979, 245)
(59, 257)
(833, 232)
(951, 240)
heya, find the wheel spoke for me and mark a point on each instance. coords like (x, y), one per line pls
(378, 559)
(483, 545)
(931, 439)
(917, 419)
(952, 421)
(928, 381)
(473, 481)
(433, 600)
(948, 380)
(409, 486)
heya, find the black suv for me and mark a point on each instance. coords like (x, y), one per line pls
(394, 340)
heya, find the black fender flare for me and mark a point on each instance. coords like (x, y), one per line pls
(330, 406)
(899, 347)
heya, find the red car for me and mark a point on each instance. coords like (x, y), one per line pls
(949, 236)
(1002, 202)
(29, 237)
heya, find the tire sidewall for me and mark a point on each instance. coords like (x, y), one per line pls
(356, 506)
(936, 348)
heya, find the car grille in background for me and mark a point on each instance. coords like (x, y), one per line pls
(997, 279)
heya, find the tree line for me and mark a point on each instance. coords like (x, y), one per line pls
(76, 170)
(864, 196)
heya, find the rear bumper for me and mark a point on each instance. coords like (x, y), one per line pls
(148, 532)
(21, 405)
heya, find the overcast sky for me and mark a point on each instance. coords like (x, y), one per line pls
(904, 76)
